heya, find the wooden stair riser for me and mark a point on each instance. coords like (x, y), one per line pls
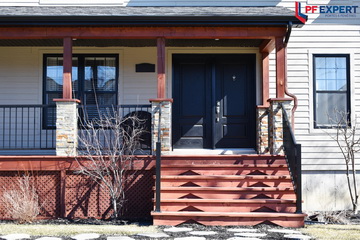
(222, 161)
(227, 207)
(223, 171)
(230, 221)
(226, 195)
(226, 183)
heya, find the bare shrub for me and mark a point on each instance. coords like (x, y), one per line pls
(21, 200)
(109, 143)
(330, 217)
(348, 140)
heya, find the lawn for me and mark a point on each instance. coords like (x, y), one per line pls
(69, 230)
(330, 231)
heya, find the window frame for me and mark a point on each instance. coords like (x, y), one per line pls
(347, 92)
(81, 78)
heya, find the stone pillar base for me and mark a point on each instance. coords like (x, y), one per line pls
(165, 135)
(66, 127)
(262, 130)
(276, 124)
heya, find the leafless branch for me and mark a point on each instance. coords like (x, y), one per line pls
(348, 142)
(109, 143)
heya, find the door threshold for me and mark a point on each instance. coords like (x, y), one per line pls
(218, 151)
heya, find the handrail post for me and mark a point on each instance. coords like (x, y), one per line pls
(158, 164)
(298, 180)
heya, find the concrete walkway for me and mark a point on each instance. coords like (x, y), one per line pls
(184, 233)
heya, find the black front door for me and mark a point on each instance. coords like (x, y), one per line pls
(214, 101)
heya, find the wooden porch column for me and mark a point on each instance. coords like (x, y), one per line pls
(280, 67)
(265, 78)
(161, 85)
(67, 64)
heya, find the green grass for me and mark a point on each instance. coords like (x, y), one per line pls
(68, 230)
(333, 232)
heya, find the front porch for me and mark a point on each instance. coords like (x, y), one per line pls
(30, 129)
(123, 67)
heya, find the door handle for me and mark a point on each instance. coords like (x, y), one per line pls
(217, 111)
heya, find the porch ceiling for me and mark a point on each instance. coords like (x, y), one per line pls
(132, 42)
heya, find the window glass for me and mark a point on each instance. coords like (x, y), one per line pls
(331, 86)
(94, 79)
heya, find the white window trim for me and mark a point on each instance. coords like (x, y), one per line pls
(311, 53)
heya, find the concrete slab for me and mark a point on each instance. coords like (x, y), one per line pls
(15, 236)
(120, 238)
(251, 235)
(203, 233)
(153, 235)
(297, 237)
(49, 238)
(177, 229)
(190, 238)
(241, 230)
(243, 238)
(285, 231)
(85, 236)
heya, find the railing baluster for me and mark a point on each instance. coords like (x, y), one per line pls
(3, 127)
(22, 129)
(10, 109)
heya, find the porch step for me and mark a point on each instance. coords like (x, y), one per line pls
(224, 169)
(223, 159)
(227, 190)
(230, 218)
(228, 205)
(226, 180)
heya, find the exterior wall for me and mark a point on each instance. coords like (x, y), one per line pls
(325, 191)
(21, 73)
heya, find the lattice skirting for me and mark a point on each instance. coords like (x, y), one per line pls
(83, 198)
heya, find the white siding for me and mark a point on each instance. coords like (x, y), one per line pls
(19, 76)
(138, 88)
(318, 147)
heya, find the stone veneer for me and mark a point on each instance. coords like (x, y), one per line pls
(66, 127)
(165, 128)
(262, 129)
(270, 126)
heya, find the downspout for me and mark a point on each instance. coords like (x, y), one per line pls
(287, 37)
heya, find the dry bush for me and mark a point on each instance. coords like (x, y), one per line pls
(110, 142)
(21, 201)
(330, 217)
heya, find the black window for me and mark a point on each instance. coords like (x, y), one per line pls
(331, 88)
(94, 80)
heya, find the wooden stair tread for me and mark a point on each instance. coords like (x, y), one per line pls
(249, 201)
(248, 189)
(232, 156)
(191, 166)
(231, 214)
(226, 177)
